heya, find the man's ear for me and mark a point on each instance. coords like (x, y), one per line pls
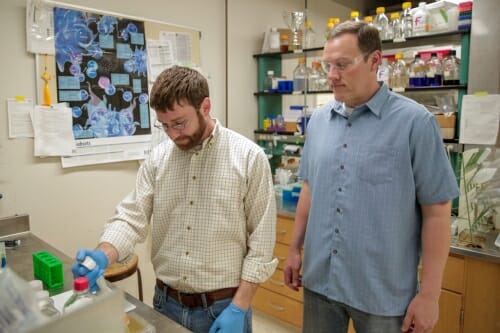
(205, 106)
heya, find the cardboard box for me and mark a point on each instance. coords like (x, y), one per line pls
(447, 125)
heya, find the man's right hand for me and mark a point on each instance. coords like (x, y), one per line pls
(90, 270)
(291, 271)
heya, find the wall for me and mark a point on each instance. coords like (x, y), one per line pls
(69, 206)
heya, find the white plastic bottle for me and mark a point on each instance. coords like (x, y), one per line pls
(407, 20)
(274, 40)
(382, 23)
(81, 295)
(420, 20)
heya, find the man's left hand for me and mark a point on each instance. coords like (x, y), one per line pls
(231, 320)
(421, 316)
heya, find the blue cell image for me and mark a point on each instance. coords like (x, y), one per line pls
(132, 28)
(127, 96)
(81, 77)
(77, 111)
(84, 94)
(91, 74)
(75, 69)
(92, 65)
(143, 98)
(110, 90)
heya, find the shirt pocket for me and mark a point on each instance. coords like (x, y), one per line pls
(375, 164)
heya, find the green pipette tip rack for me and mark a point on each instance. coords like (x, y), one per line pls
(48, 269)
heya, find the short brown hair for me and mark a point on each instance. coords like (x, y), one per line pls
(368, 36)
(178, 85)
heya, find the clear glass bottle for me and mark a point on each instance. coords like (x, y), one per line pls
(399, 73)
(80, 296)
(300, 76)
(322, 81)
(451, 69)
(329, 28)
(407, 20)
(417, 72)
(434, 71)
(396, 27)
(384, 72)
(268, 81)
(309, 36)
(368, 19)
(382, 23)
(420, 20)
(355, 16)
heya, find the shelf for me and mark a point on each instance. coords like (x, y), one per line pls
(286, 137)
(450, 87)
(408, 41)
(264, 93)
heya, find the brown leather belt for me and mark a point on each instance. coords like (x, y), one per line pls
(195, 300)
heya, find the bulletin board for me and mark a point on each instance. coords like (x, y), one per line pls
(102, 65)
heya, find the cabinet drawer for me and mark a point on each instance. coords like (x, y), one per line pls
(453, 278)
(275, 283)
(450, 309)
(284, 229)
(278, 306)
(281, 252)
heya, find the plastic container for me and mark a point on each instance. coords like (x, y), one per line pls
(329, 28)
(443, 16)
(80, 297)
(396, 27)
(284, 43)
(417, 72)
(420, 20)
(451, 69)
(274, 40)
(434, 75)
(46, 304)
(399, 73)
(384, 72)
(355, 16)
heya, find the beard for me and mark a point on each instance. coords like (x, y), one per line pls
(187, 142)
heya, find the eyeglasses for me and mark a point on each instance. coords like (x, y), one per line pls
(177, 125)
(342, 65)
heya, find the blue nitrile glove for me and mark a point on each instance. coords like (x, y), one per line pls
(101, 263)
(231, 320)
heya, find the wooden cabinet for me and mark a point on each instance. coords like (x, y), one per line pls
(273, 297)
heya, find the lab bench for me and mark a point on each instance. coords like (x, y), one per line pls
(20, 261)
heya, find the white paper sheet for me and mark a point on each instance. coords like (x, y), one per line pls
(181, 45)
(479, 120)
(19, 114)
(160, 57)
(53, 130)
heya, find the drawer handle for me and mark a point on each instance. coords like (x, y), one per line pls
(281, 232)
(276, 307)
(281, 258)
(277, 282)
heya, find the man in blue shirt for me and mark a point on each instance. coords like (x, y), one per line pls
(376, 198)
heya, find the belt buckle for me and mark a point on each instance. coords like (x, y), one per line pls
(179, 297)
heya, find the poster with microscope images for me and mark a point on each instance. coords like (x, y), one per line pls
(101, 71)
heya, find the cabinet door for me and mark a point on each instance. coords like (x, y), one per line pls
(450, 308)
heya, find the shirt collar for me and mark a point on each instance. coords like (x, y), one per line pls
(374, 104)
(209, 140)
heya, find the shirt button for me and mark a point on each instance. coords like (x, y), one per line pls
(188, 228)
(184, 278)
(336, 230)
(194, 177)
(345, 145)
(349, 125)
(339, 210)
(334, 251)
(342, 167)
(191, 202)
(340, 189)
(187, 253)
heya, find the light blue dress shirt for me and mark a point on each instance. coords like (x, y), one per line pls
(368, 175)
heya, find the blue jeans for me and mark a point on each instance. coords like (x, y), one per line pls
(198, 319)
(322, 315)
